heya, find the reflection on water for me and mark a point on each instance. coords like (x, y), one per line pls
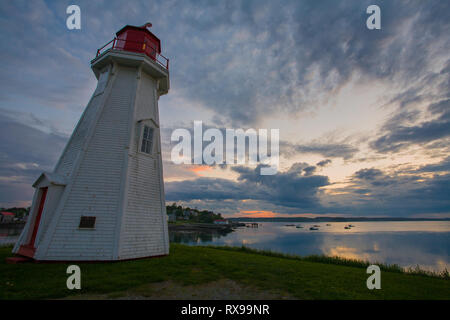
(423, 243)
(190, 237)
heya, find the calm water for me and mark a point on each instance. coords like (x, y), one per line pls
(408, 244)
(423, 243)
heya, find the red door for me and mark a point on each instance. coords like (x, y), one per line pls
(28, 250)
(38, 217)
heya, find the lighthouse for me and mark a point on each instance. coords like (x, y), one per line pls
(104, 200)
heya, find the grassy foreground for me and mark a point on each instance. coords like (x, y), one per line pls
(292, 277)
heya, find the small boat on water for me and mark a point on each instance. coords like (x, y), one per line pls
(290, 225)
(346, 227)
(314, 228)
(316, 225)
(299, 226)
(328, 224)
(351, 226)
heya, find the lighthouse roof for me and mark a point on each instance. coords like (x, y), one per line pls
(53, 178)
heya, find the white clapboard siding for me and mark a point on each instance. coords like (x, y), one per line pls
(96, 185)
(73, 149)
(143, 231)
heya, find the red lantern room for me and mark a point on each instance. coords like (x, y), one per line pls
(138, 39)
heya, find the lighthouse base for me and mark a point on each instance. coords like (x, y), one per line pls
(21, 259)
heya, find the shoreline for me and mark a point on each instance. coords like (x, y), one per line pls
(204, 227)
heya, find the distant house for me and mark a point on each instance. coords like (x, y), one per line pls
(6, 216)
(172, 217)
(221, 221)
(187, 213)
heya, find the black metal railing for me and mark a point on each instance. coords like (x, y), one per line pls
(145, 47)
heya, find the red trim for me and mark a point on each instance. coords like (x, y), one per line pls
(37, 220)
(26, 251)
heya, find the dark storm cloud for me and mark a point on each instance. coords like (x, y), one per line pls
(398, 136)
(304, 167)
(344, 151)
(368, 174)
(293, 188)
(243, 60)
(399, 194)
(47, 65)
(410, 96)
(309, 170)
(323, 163)
(206, 188)
(443, 165)
(255, 57)
(370, 192)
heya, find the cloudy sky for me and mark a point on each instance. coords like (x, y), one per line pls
(364, 115)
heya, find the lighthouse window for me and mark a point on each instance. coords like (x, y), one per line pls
(87, 222)
(147, 140)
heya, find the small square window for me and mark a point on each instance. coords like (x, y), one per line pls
(147, 140)
(87, 222)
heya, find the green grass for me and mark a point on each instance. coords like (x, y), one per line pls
(302, 278)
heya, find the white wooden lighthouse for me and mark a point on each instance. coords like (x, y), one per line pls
(105, 198)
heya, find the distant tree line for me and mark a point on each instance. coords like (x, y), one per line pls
(194, 215)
